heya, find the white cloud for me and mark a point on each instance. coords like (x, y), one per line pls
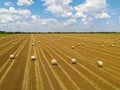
(102, 15)
(110, 22)
(60, 8)
(79, 18)
(35, 17)
(91, 5)
(25, 2)
(93, 9)
(87, 11)
(9, 18)
(87, 21)
(8, 4)
(12, 14)
(80, 14)
(70, 22)
(49, 24)
(49, 21)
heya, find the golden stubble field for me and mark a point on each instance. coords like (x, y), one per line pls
(22, 73)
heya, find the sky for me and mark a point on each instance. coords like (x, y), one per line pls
(60, 15)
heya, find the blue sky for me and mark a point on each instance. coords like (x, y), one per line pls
(60, 15)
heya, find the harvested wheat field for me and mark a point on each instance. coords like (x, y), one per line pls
(60, 62)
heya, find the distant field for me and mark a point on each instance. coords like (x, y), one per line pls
(22, 73)
(4, 34)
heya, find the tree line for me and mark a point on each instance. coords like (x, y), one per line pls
(4, 32)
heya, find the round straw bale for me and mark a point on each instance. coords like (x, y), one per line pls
(73, 47)
(73, 61)
(100, 63)
(82, 43)
(102, 45)
(12, 56)
(13, 43)
(78, 44)
(53, 62)
(33, 57)
(32, 44)
(112, 45)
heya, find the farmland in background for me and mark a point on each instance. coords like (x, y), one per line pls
(3, 34)
(22, 73)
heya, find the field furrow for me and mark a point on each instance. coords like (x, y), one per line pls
(60, 62)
